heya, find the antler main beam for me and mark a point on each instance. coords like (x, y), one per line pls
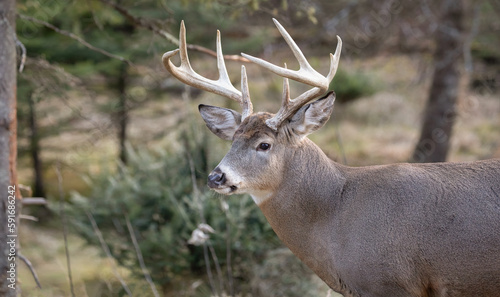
(306, 74)
(222, 86)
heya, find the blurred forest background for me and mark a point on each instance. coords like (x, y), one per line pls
(117, 149)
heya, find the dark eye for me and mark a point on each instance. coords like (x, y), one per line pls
(264, 146)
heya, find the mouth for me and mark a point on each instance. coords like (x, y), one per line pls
(226, 190)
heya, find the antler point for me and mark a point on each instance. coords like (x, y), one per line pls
(170, 54)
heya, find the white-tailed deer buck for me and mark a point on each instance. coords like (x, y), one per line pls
(391, 230)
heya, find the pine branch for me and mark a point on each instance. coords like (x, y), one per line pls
(73, 36)
(141, 22)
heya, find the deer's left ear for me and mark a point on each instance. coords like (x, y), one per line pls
(312, 116)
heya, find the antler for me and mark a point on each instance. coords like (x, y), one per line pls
(306, 74)
(221, 86)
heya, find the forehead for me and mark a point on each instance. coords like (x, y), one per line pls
(254, 126)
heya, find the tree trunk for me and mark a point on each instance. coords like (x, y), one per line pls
(9, 190)
(39, 189)
(440, 112)
(122, 113)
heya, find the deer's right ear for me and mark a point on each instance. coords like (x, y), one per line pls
(223, 122)
(312, 116)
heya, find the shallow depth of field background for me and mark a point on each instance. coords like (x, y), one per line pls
(148, 184)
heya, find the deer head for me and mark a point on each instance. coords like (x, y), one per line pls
(261, 141)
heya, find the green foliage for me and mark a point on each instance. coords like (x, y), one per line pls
(155, 191)
(282, 274)
(349, 86)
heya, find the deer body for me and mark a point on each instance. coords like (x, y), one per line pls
(395, 230)
(400, 230)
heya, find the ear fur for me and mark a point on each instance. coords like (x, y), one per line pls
(312, 116)
(223, 122)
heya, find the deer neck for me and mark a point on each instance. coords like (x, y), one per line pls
(301, 210)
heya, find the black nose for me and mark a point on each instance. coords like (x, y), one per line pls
(216, 178)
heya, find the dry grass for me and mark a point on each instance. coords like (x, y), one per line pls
(45, 249)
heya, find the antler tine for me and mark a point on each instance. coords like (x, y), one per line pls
(222, 86)
(221, 65)
(334, 60)
(306, 74)
(285, 101)
(246, 103)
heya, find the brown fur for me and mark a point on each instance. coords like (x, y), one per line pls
(253, 126)
(395, 230)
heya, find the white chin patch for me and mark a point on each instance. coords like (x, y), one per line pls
(225, 190)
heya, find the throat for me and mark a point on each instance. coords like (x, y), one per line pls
(259, 197)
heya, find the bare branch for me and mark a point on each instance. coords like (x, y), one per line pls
(105, 247)
(62, 213)
(467, 48)
(28, 217)
(23, 53)
(229, 268)
(31, 268)
(199, 205)
(34, 201)
(140, 258)
(217, 265)
(141, 22)
(73, 36)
